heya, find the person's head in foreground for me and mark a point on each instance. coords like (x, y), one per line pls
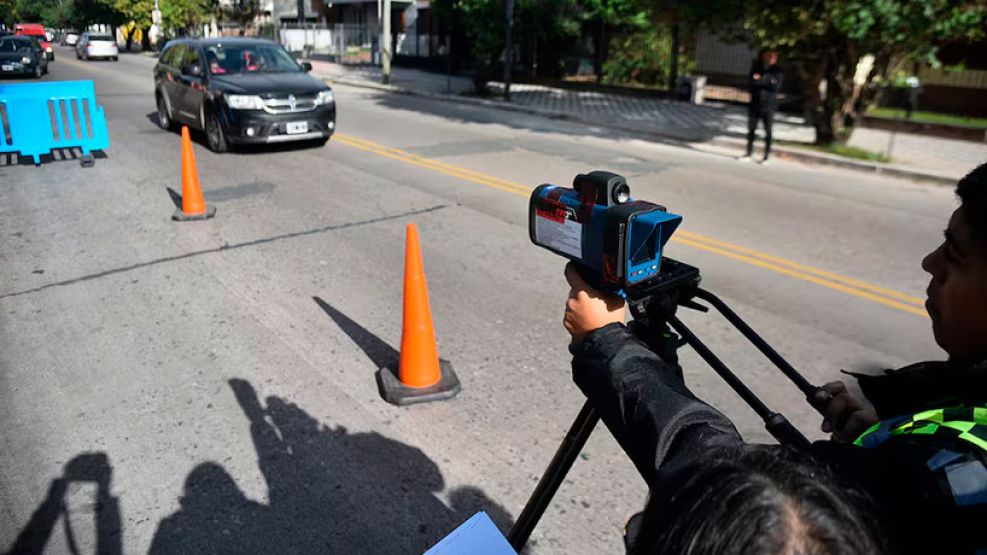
(760, 500)
(957, 292)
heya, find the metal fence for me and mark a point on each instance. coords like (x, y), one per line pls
(345, 44)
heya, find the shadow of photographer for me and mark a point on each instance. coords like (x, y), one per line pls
(329, 490)
(97, 514)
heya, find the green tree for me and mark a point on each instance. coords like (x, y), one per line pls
(7, 9)
(827, 55)
(825, 40)
(484, 22)
(185, 15)
(33, 11)
(243, 12)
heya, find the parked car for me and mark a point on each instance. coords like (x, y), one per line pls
(70, 38)
(241, 90)
(96, 45)
(22, 56)
(37, 32)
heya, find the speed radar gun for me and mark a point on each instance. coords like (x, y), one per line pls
(616, 243)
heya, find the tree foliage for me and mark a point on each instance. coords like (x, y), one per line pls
(826, 41)
(241, 11)
(185, 14)
(484, 22)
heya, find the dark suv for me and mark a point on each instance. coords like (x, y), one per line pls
(241, 90)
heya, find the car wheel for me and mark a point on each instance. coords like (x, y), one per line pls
(214, 133)
(114, 58)
(164, 118)
(322, 141)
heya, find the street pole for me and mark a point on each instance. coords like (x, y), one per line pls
(673, 73)
(154, 33)
(509, 49)
(385, 44)
(448, 64)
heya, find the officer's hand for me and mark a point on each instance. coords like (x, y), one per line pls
(845, 416)
(588, 309)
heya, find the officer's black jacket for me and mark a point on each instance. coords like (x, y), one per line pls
(764, 91)
(665, 429)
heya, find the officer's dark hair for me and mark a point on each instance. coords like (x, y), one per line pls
(972, 190)
(758, 499)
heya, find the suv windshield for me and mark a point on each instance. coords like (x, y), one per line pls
(224, 59)
(14, 45)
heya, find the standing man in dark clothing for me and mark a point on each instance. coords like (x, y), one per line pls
(764, 84)
(920, 450)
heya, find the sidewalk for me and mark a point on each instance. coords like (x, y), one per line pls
(711, 127)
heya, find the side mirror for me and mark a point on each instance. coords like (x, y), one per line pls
(306, 67)
(193, 70)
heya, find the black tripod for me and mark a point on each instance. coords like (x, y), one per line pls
(653, 309)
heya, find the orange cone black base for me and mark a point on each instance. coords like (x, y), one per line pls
(420, 374)
(394, 392)
(180, 216)
(193, 205)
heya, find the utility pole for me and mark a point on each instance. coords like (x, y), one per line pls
(509, 49)
(385, 43)
(673, 73)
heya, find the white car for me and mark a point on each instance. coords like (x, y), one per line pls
(70, 38)
(94, 45)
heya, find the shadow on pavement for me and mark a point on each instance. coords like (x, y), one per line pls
(376, 349)
(176, 197)
(329, 491)
(56, 155)
(91, 468)
(701, 130)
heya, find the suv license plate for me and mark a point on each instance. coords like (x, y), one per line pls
(295, 127)
(6, 68)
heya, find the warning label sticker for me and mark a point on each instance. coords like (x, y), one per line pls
(559, 233)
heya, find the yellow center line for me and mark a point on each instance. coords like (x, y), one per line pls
(807, 277)
(802, 267)
(811, 274)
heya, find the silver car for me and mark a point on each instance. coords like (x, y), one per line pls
(96, 45)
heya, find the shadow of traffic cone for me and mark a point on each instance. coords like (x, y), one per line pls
(422, 376)
(193, 205)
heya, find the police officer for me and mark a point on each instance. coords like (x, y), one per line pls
(918, 445)
(764, 82)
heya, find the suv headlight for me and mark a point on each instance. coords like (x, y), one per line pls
(325, 97)
(244, 102)
(25, 60)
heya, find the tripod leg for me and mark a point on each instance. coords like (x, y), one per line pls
(776, 424)
(565, 456)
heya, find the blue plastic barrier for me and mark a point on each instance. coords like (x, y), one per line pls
(38, 117)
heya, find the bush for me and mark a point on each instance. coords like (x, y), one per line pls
(640, 58)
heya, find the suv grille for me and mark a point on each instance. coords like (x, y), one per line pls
(290, 104)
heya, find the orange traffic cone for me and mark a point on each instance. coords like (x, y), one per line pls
(193, 205)
(422, 376)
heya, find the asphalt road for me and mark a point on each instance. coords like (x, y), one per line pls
(172, 386)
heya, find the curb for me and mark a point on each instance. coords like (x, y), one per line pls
(830, 160)
(781, 152)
